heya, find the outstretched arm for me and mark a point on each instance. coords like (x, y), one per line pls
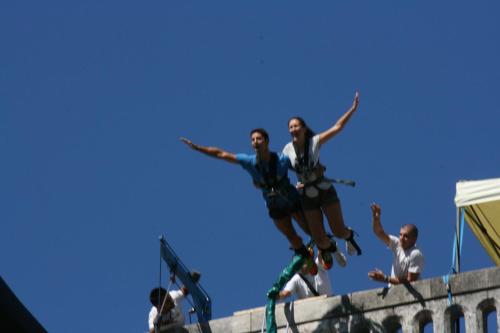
(378, 275)
(212, 151)
(341, 122)
(284, 294)
(377, 226)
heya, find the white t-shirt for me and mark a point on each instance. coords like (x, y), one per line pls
(405, 261)
(175, 316)
(307, 177)
(320, 282)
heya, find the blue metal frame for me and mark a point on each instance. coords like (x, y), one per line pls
(202, 302)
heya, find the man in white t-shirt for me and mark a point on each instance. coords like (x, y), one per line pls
(316, 285)
(407, 260)
(172, 309)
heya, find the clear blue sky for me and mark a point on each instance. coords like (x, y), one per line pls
(94, 95)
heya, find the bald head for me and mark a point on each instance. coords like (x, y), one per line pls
(412, 230)
(408, 236)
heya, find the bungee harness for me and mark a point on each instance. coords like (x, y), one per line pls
(311, 174)
(274, 186)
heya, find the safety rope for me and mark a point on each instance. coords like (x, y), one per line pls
(288, 321)
(171, 280)
(272, 294)
(455, 254)
(262, 328)
(158, 315)
(159, 281)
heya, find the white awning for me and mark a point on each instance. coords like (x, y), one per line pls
(477, 191)
(479, 202)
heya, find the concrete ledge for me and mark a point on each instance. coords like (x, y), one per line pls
(375, 310)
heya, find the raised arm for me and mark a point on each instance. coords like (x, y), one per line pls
(377, 226)
(212, 151)
(341, 122)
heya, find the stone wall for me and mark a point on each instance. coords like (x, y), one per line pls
(408, 307)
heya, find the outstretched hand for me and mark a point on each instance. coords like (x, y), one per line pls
(187, 142)
(355, 103)
(375, 211)
(376, 275)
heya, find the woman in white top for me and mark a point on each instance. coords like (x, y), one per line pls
(318, 195)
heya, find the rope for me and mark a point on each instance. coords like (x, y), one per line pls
(159, 281)
(172, 279)
(283, 278)
(455, 255)
(455, 240)
(158, 315)
(291, 314)
(155, 322)
(263, 322)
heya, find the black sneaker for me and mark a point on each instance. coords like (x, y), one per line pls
(351, 245)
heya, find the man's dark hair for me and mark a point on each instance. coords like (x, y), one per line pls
(156, 296)
(261, 131)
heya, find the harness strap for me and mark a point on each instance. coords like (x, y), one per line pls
(270, 175)
(316, 181)
(311, 288)
(302, 161)
(347, 182)
(330, 180)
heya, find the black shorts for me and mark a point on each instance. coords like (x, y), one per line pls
(281, 206)
(324, 198)
(279, 212)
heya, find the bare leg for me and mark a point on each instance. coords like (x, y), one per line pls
(300, 218)
(333, 213)
(285, 226)
(336, 221)
(315, 221)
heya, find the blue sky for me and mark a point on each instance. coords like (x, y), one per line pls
(94, 96)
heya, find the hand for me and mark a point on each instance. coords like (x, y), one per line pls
(299, 186)
(377, 275)
(186, 141)
(375, 211)
(189, 143)
(355, 103)
(273, 293)
(185, 290)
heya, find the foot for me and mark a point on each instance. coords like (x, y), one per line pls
(313, 269)
(351, 245)
(326, 259)
(340, 258)
(311, 264)
(337, 254)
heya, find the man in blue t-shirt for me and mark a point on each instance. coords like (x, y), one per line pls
(271, 176)
(269, 173)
